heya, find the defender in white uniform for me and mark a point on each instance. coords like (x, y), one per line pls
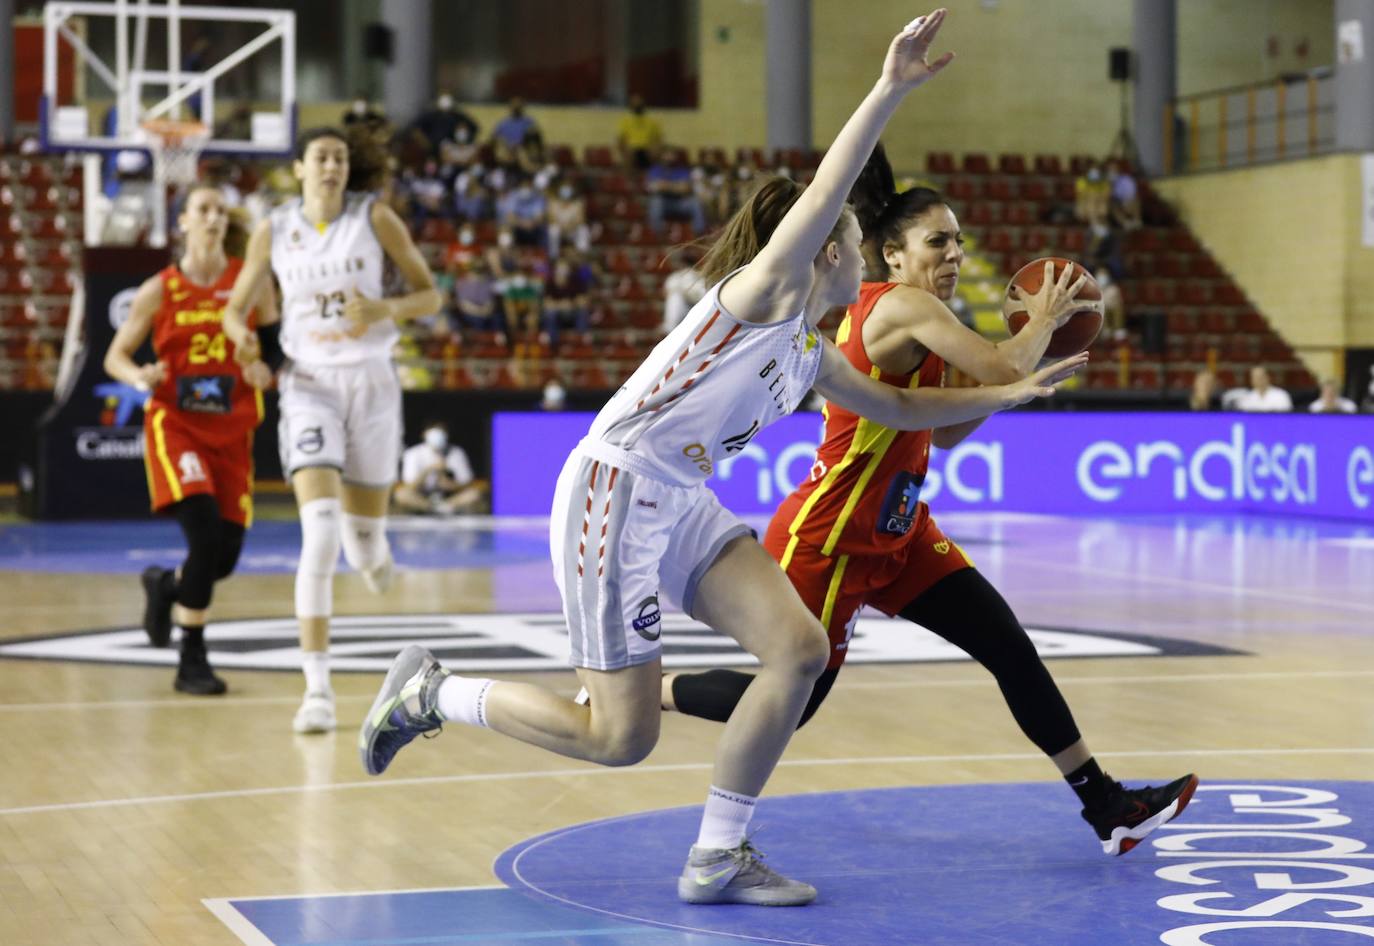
(632, 517)
(340, 430)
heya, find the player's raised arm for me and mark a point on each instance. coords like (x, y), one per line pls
(780, 276)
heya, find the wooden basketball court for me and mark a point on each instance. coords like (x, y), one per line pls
(124, 806)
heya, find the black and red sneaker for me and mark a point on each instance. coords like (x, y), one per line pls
(1132, 813)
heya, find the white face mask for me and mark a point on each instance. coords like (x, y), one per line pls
(446, 102)
(436, 439)
(359, 107)
(565, 192)
(465, 237)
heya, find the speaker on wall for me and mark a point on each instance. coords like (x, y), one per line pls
(377, 42)
(1119, 63)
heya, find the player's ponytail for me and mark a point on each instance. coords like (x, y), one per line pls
(884, 214)
(751, 227)
(369, 163)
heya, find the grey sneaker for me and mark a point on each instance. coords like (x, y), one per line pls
(738, 875)
(406, 707)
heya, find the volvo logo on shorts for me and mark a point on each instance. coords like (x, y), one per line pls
(649, 623)
(311, 440)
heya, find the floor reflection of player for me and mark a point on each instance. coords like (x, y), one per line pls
(198, 425)
(853, 533)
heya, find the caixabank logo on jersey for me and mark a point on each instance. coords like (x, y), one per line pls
(470, 643)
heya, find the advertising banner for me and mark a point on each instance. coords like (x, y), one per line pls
(1061, 463)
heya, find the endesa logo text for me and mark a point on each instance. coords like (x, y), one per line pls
(1215, 471)
(1269, 863)
(1031, 461)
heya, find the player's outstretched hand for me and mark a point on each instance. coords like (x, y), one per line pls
(1043, 382)
(906, 63)
(257, 374)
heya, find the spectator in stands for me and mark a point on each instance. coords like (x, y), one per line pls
(554, 398)
(671, 192)
(441, 123)
(1092, 196)
(737, 190)
(568, 217)
(436, 477)
(1331, 401)
(640, 135)
(510, 131)
(475, 298)
(471, 200)
(523, 212)
(521, 294)
(1113, 304)
(1263, 396)
(460, 151)
(1206, 395)
(428, 194)
(459, 254)
(683, 289)
(362, 112)
(566, 304)
(1124, 196)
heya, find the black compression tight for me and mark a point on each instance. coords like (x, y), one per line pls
(965, 610)
(212, 549)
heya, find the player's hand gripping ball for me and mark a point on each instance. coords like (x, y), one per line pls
(1077, 314)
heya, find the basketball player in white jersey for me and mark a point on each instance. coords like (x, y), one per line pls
(340, 431)
(633, 519)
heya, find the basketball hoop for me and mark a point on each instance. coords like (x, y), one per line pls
(176, 147)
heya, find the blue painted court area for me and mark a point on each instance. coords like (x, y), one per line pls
(1248, 864)
(270, 546)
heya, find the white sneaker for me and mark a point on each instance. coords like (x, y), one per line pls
(316, 713)
(379, 579)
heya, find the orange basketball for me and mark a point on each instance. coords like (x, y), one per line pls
(1078, 332)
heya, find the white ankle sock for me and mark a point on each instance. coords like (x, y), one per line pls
(464, 699)
(726, 819)
(315, 663)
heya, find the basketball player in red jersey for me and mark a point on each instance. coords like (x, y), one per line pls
(198, 424)
(856, 533)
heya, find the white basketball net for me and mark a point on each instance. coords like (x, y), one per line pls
(176, 148)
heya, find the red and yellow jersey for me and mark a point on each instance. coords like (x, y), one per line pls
(204, 387)
(862, 497)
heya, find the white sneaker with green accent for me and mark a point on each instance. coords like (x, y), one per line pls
(406, 706)
(738, 875)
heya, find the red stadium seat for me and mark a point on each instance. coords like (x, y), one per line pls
(1011, 164)
(977, 163)
(1049, 165)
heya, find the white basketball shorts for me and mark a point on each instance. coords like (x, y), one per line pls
(618, 540)
(347, 417)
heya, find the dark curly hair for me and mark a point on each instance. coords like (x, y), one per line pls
(884, 215)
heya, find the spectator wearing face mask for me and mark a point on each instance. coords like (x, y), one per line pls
(1113, 304)
(565, 302)
(568, 218)
(1330, 401)
(362, 112)
(672, 192)
(523, 212)
(471, 199)
(554, 398)
(442, 122)
(436, 477)
(512, 130)
(640, 135)
(475, 299)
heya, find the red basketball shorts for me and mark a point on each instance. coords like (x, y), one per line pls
(180, 464)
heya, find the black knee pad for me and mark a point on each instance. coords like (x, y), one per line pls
(199, 519)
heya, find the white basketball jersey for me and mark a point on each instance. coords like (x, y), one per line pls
(704, 392)
(318, 271)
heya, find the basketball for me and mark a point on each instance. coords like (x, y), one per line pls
(1082, 327)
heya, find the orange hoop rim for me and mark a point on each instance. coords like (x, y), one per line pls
(170, 131)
